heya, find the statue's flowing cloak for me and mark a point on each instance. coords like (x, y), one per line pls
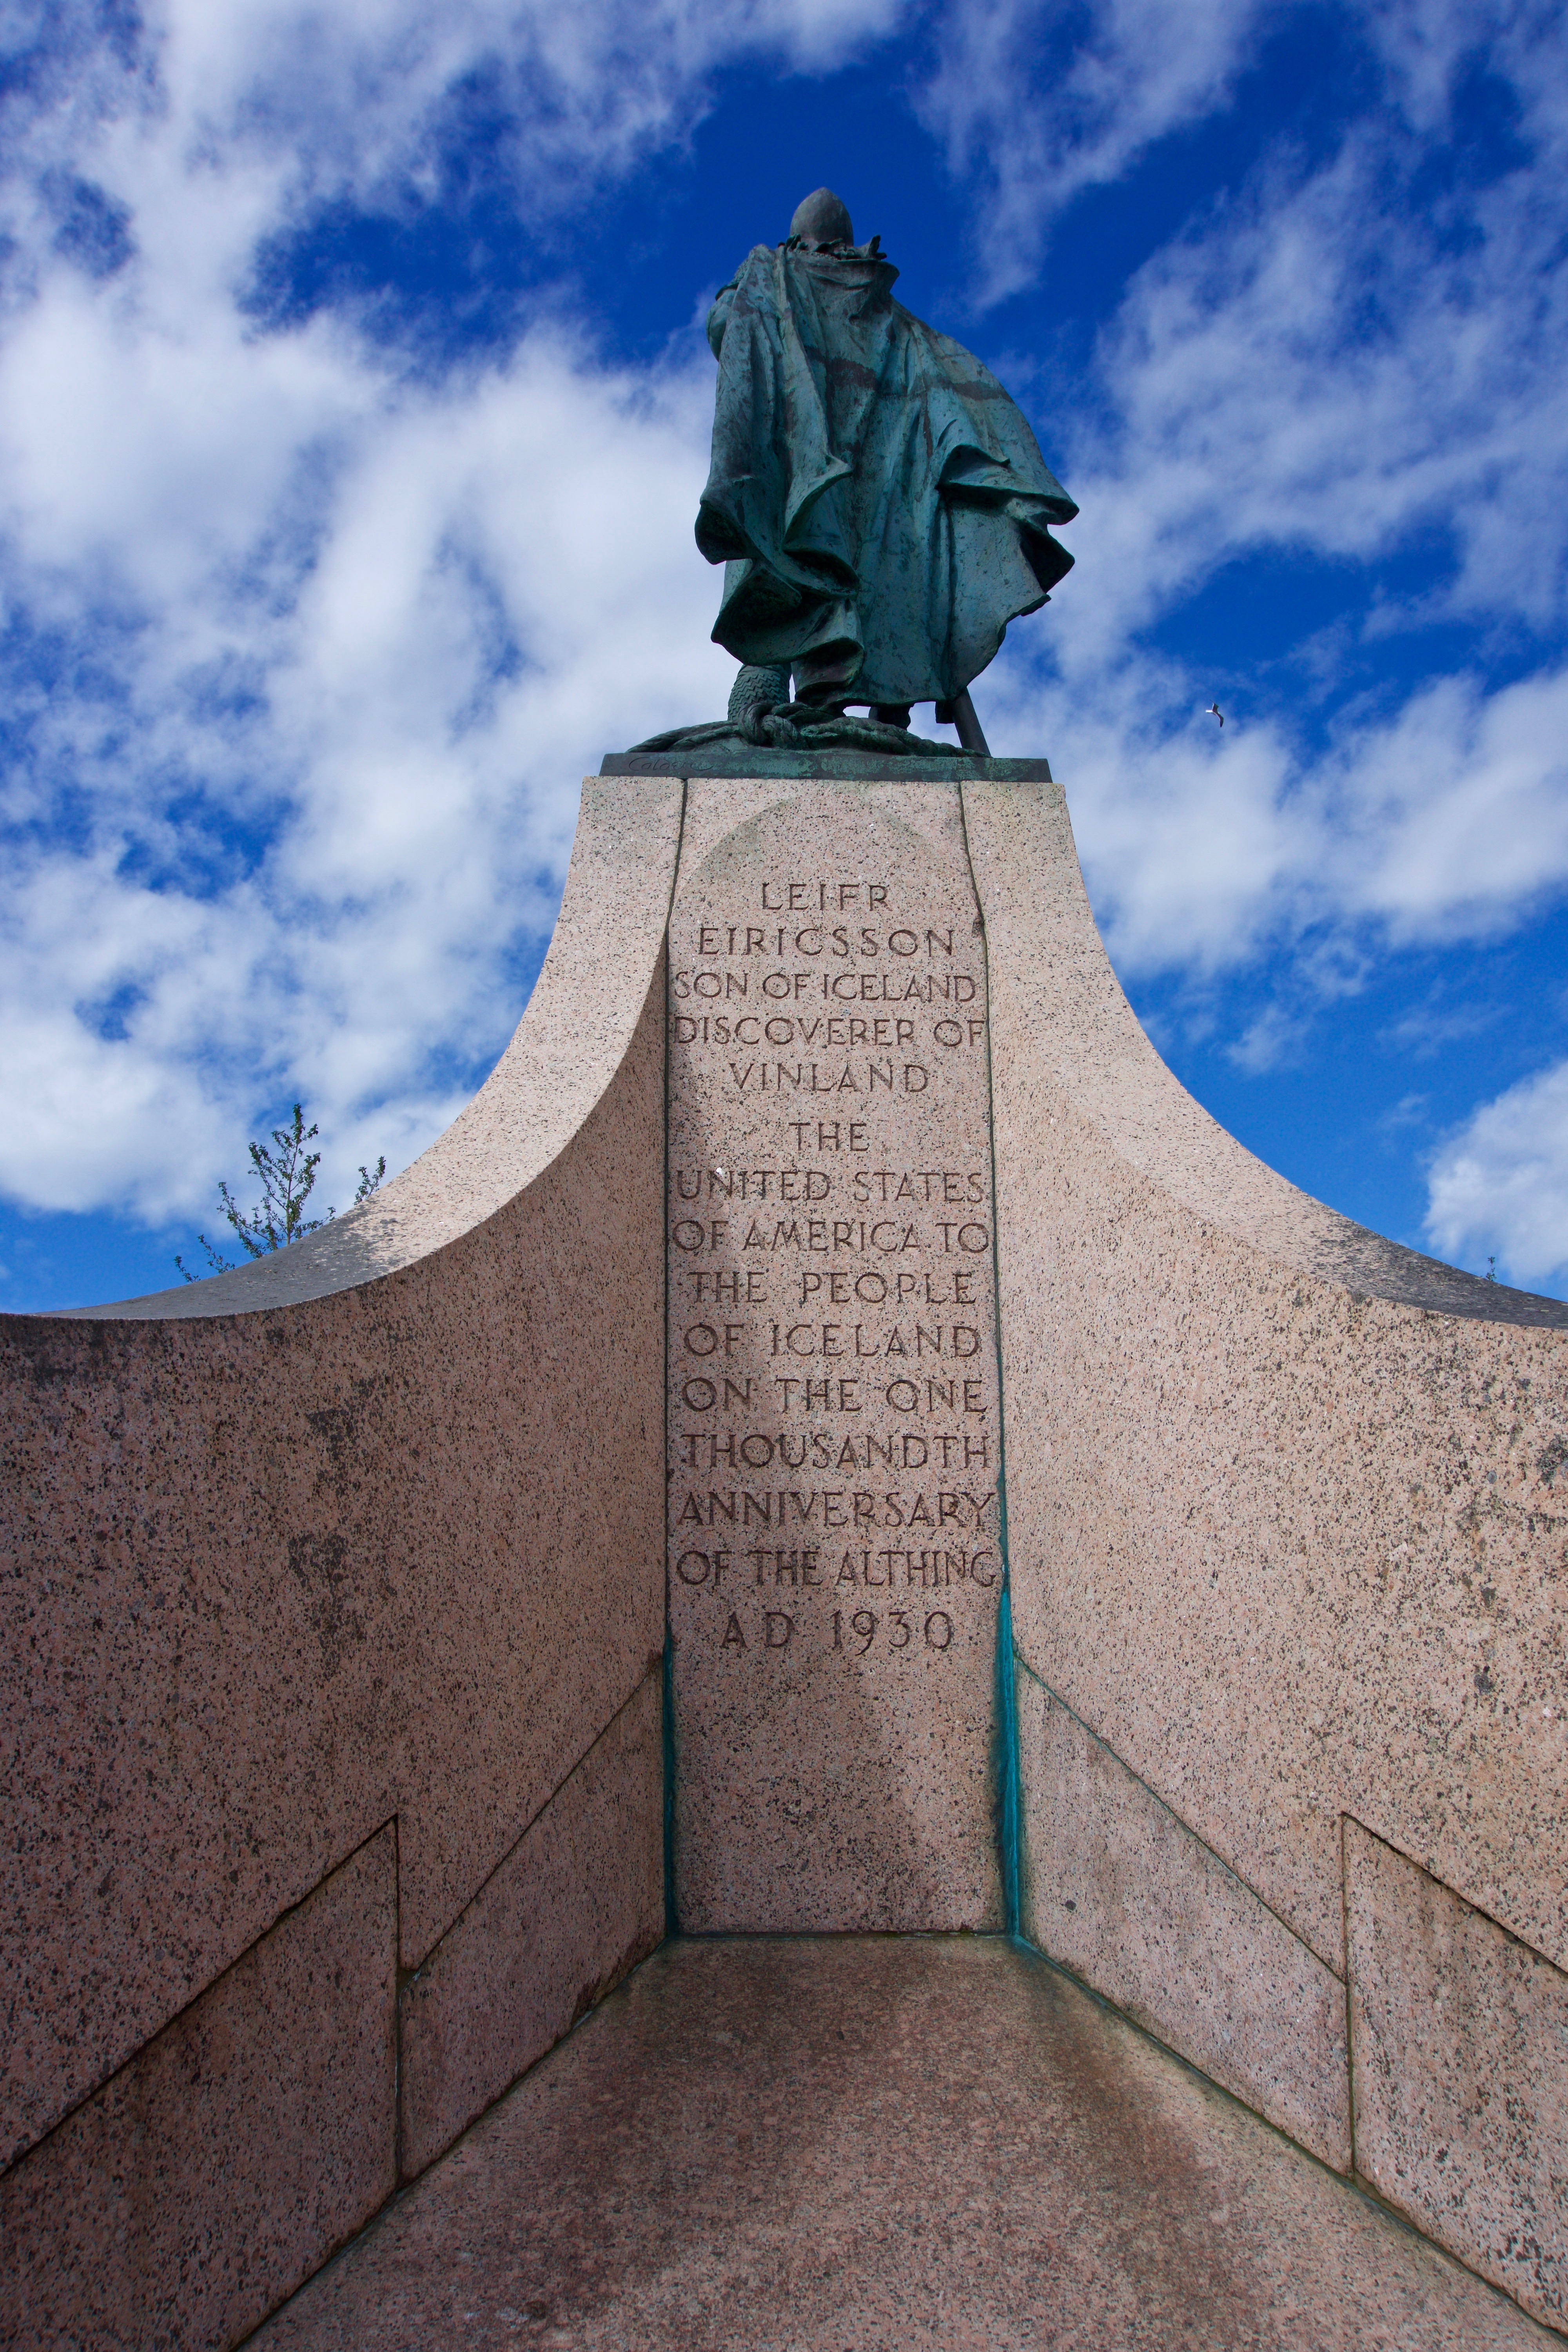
(879, 503)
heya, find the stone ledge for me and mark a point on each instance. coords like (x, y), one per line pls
(1118, 1890)
(222, 2165)
(577, 1902)
(1460, 2047)
(831, 767)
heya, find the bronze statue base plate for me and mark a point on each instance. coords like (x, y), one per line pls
(942, 767)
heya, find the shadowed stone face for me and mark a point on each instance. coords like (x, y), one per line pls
(1461, 2090)
(835, 1563)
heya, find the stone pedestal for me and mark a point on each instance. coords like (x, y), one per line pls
(344, 1618)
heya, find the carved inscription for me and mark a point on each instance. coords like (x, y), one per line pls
(834, 1542)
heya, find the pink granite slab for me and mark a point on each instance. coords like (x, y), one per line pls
(1286, 1503)
(217, 2170)
(575, 1904)
(1118, 1890)
(1459, 2036)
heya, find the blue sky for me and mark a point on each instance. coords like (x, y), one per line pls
(353, 409)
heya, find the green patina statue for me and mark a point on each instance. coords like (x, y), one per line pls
(879, 503)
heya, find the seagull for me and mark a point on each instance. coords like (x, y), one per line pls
(1216, 711)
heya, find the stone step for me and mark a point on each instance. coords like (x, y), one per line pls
(867, 2144)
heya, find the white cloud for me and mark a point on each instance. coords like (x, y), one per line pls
(500, 585)
(1313, 372)
(1270, 1040)
(1034, 102)
(1446, 820)
(1500, 1185)
(293, 102)
(1451, 822)
(1040, 104)
(1193, 842)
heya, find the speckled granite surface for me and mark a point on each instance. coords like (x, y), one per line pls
(1461, 2073)
(1117, 1888)
(384, 1546)
(578, 1900)
(1285, 1510)
(835, 1558)
(877, 2143)
(175, 2206)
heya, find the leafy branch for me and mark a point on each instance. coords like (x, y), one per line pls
(286, 1171)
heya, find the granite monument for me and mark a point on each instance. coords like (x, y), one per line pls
(836, 1466)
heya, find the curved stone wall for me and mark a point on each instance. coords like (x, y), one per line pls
(353, 1553)
(1287, 1535)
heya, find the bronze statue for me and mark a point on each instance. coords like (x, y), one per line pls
(879, 505)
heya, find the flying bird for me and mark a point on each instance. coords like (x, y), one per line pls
(1215, 708)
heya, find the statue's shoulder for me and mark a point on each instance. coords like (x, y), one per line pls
(752, 288)
(947, 352)
(761, 258)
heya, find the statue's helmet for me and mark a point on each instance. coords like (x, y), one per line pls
(822, 218)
